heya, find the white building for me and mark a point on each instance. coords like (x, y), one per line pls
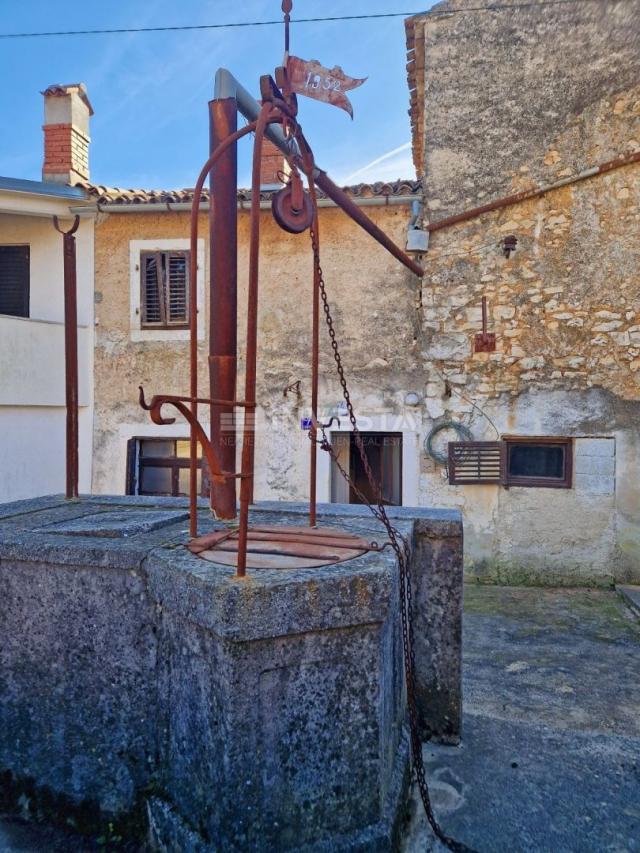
(32, 355)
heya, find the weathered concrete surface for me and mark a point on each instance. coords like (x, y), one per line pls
(550, 758)
(631, 596)
(138, 680)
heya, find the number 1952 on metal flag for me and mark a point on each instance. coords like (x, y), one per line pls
(315, 81)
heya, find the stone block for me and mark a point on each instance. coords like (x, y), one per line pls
(601, 465)
(594, 484)
(269, 712)
(436, 573)
(595, 447)
(450, 347)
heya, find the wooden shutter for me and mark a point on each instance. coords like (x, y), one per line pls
(151, 289)
(476, 462)
(164, 289)
(177, 291)
(14, 280)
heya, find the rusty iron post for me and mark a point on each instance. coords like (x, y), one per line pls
(248, 437)
(70, 354)
(223, 305)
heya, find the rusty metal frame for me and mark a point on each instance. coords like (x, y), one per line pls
(276, 118)
(70, 354)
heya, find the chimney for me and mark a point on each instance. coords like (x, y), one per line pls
(271, 163)
(66, 134)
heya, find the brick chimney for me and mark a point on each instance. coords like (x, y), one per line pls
(272, 162)
(66, 134)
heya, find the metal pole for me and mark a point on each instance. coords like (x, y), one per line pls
(248, 438)
(70, 354)
(223, 305)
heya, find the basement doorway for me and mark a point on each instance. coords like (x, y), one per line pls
(384, 451)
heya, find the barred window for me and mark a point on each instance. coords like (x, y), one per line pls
(164, 290)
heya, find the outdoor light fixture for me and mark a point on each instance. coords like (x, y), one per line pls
(509, 244)
(412, 399)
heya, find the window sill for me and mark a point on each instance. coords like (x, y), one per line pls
(142, 335)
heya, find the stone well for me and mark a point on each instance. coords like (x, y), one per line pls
(143, 686)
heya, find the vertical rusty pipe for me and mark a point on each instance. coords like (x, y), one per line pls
(484, 315)
(193, 314)
(70, 354)
(223, 305)
(248, 437)
(315, 359)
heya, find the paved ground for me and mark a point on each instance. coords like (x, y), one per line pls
(550, 759)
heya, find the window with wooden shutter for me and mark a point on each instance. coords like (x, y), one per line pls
(14, 280)
(164, 289)
(531, 461)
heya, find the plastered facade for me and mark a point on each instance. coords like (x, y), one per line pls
(375, 304)
(32, 383)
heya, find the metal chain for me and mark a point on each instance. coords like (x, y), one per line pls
(400, 547)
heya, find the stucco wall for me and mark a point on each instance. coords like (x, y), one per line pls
(375, 306)
(32, 387)
(514, 101)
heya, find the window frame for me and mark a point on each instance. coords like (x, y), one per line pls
(26, 295)
(135, 462)
(140, 334)
(459, 476)
(534, 482)
(352, 452)
(162, 258)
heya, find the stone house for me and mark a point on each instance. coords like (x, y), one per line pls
(32, 376)
(527, 125)
(139, 232)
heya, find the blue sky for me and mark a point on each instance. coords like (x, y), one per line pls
(150, 90)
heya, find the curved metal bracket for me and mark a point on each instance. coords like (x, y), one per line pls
(154, 408)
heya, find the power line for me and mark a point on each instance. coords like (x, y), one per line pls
(495, 7)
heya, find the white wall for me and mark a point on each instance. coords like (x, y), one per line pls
(32, 386)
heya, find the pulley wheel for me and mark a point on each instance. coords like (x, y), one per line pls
(293, 221)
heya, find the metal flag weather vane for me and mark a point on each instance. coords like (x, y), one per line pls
(310, 78)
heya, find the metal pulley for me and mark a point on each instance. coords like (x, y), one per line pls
(292, 207)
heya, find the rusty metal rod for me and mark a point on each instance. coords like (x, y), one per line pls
(228, 87)
(248, 436)
(534, 192)
(70, 354)
(315, 363)
(193, 321)
(223, 299)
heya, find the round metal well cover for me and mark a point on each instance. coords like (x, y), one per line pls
(281, 547)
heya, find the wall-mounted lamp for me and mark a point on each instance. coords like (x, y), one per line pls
(412, 399)
(509, 244)
(417, 238)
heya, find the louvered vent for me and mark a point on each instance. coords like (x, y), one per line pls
(476, 462)
(164, 289)
(14, 280)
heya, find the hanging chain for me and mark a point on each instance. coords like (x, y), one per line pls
(398, 543)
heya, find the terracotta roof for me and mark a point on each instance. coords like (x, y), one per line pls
(117, 196)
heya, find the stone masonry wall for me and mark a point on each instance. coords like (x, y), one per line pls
(515, 101)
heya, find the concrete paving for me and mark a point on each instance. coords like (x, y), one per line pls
(550, 758)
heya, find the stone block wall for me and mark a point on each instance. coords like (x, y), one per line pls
(510, 103)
